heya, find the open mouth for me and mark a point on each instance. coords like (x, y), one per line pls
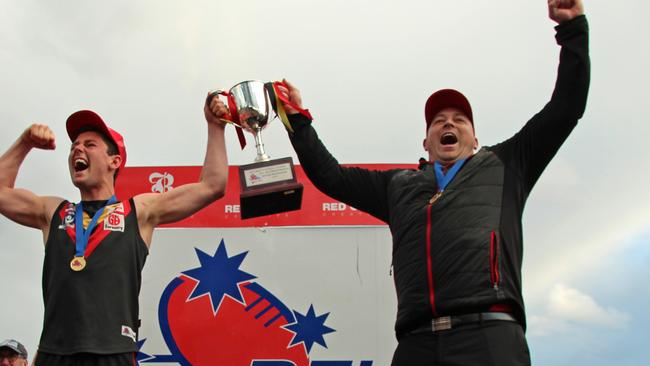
(448, 138)
(80, 165)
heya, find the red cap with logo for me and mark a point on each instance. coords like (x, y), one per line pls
(446, 98)
(85, 118)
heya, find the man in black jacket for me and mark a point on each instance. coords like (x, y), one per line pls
(456, 222)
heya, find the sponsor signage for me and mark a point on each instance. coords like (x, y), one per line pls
(317, 208)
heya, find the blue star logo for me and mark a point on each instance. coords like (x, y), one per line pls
(309, 329)
(141, 356)
(218, 276)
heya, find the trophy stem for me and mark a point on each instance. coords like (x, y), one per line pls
(259, 145)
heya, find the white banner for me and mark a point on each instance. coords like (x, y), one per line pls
(268, 297)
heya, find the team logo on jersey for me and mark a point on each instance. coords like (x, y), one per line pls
(68, 214)
(219, 314)
(128, 332)
(114, 220)
(162, 182)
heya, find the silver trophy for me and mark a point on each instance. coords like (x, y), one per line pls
(267, 186)
(251, 99)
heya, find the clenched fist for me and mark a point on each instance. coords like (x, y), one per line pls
(40, 137)
(215, 110)
(563, 10)
(292, 94)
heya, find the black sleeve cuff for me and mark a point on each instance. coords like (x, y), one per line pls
(571, 28)
(298, 121)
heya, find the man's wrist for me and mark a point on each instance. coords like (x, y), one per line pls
(298, 120)
(569, 23)
(570, 28)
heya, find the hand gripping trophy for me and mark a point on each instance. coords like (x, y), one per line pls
(267, 186)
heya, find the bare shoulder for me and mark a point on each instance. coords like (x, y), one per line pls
(50, 204)
(45, 210)
(144, 200)
(144, 204)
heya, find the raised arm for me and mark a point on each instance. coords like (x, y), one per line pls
(21, 205)
(569, 97)
(533, 147)
(161, 208)
(361, 188)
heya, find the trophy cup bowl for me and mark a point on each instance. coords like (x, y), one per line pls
(252, 103)
(267, 186)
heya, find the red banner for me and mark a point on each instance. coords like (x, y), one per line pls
(317, 208)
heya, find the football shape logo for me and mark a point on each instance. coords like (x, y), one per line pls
(216, 314)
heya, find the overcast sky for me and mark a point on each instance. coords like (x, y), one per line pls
(365, 69)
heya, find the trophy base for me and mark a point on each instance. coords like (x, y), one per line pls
(269, 187)
(287, 197)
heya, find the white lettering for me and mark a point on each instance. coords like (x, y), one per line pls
(232, 208)
(161, 182)
(334, 206)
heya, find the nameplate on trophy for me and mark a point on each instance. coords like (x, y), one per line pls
(269, 173)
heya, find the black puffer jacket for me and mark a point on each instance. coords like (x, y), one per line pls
(463, 252)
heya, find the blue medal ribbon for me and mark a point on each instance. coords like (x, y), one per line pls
(81, 234)
(444, 179)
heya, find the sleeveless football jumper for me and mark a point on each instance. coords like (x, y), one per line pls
(94, 310)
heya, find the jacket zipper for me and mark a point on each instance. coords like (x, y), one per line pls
(495, 276)
(432, 297)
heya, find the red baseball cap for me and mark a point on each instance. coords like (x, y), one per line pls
(86, 118)
(446, 98)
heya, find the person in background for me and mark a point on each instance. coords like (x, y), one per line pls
(12, 353)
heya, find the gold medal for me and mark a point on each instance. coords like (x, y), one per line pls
(78, 263)
(435, 198)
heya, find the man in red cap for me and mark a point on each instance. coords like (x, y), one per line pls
(456, 222)
(95, 249)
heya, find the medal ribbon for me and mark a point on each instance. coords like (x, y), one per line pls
(82, 235)
(444, 179)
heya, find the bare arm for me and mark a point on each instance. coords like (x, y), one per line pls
(154, 209)
(21, 205)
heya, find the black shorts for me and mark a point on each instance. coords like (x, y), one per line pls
(85, 359)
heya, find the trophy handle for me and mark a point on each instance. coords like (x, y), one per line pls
(273, 98)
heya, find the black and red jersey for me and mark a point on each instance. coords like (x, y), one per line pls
(94, 310)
